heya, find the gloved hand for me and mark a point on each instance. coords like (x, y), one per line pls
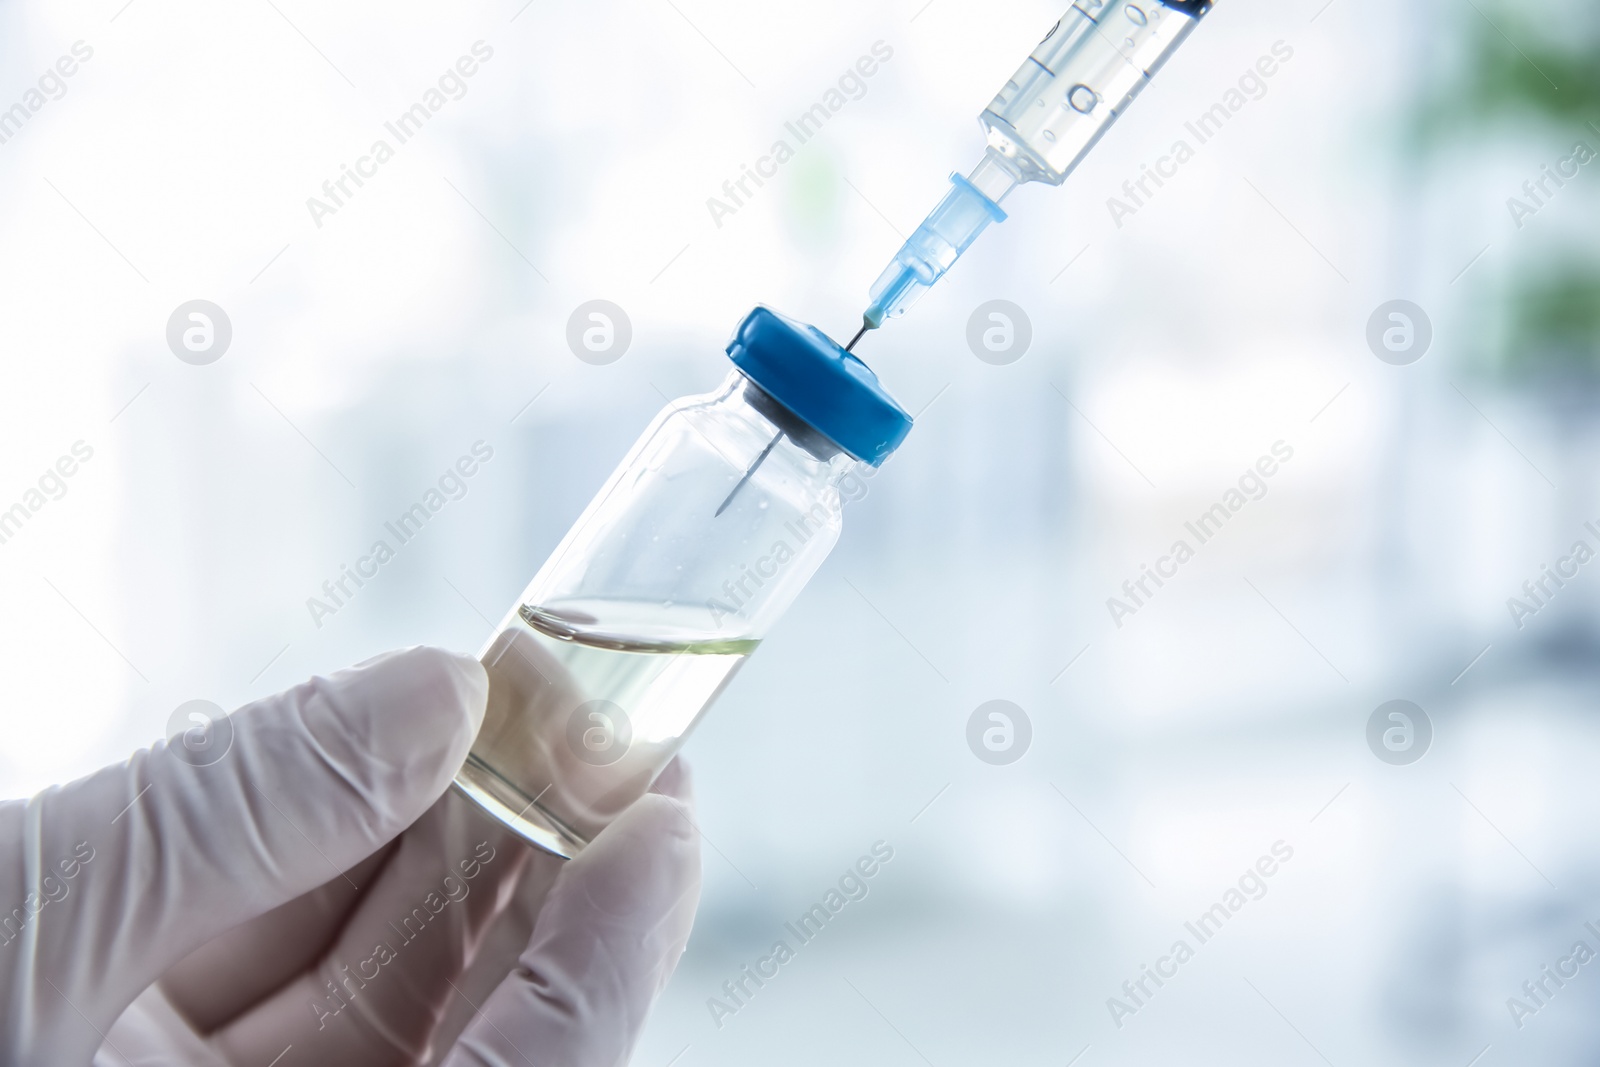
(310, 898)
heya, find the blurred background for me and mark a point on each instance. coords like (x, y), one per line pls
(1385, 160)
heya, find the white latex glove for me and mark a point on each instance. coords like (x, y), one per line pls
(247, 884)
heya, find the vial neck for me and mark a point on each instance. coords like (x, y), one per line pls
(787, 422)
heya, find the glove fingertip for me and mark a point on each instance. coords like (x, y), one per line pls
(471, 683)
(646, 859)
(428, 684)
(396, 728)
(676, 780)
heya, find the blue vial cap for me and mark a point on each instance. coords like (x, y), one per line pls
(824, 386)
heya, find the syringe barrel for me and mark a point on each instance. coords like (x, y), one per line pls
(1084, 74)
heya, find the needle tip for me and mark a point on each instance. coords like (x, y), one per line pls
(865, 326)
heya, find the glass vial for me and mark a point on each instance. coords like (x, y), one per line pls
(670, 579)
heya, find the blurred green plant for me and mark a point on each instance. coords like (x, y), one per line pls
(1515, 71)
(1498, 80)
(1555, 321)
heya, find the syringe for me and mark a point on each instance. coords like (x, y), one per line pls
(1085, 73)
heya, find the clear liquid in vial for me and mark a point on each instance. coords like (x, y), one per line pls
(588, 701)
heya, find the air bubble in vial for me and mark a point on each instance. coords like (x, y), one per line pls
(1049, 136)
(1135, 14)
(1082, 98)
